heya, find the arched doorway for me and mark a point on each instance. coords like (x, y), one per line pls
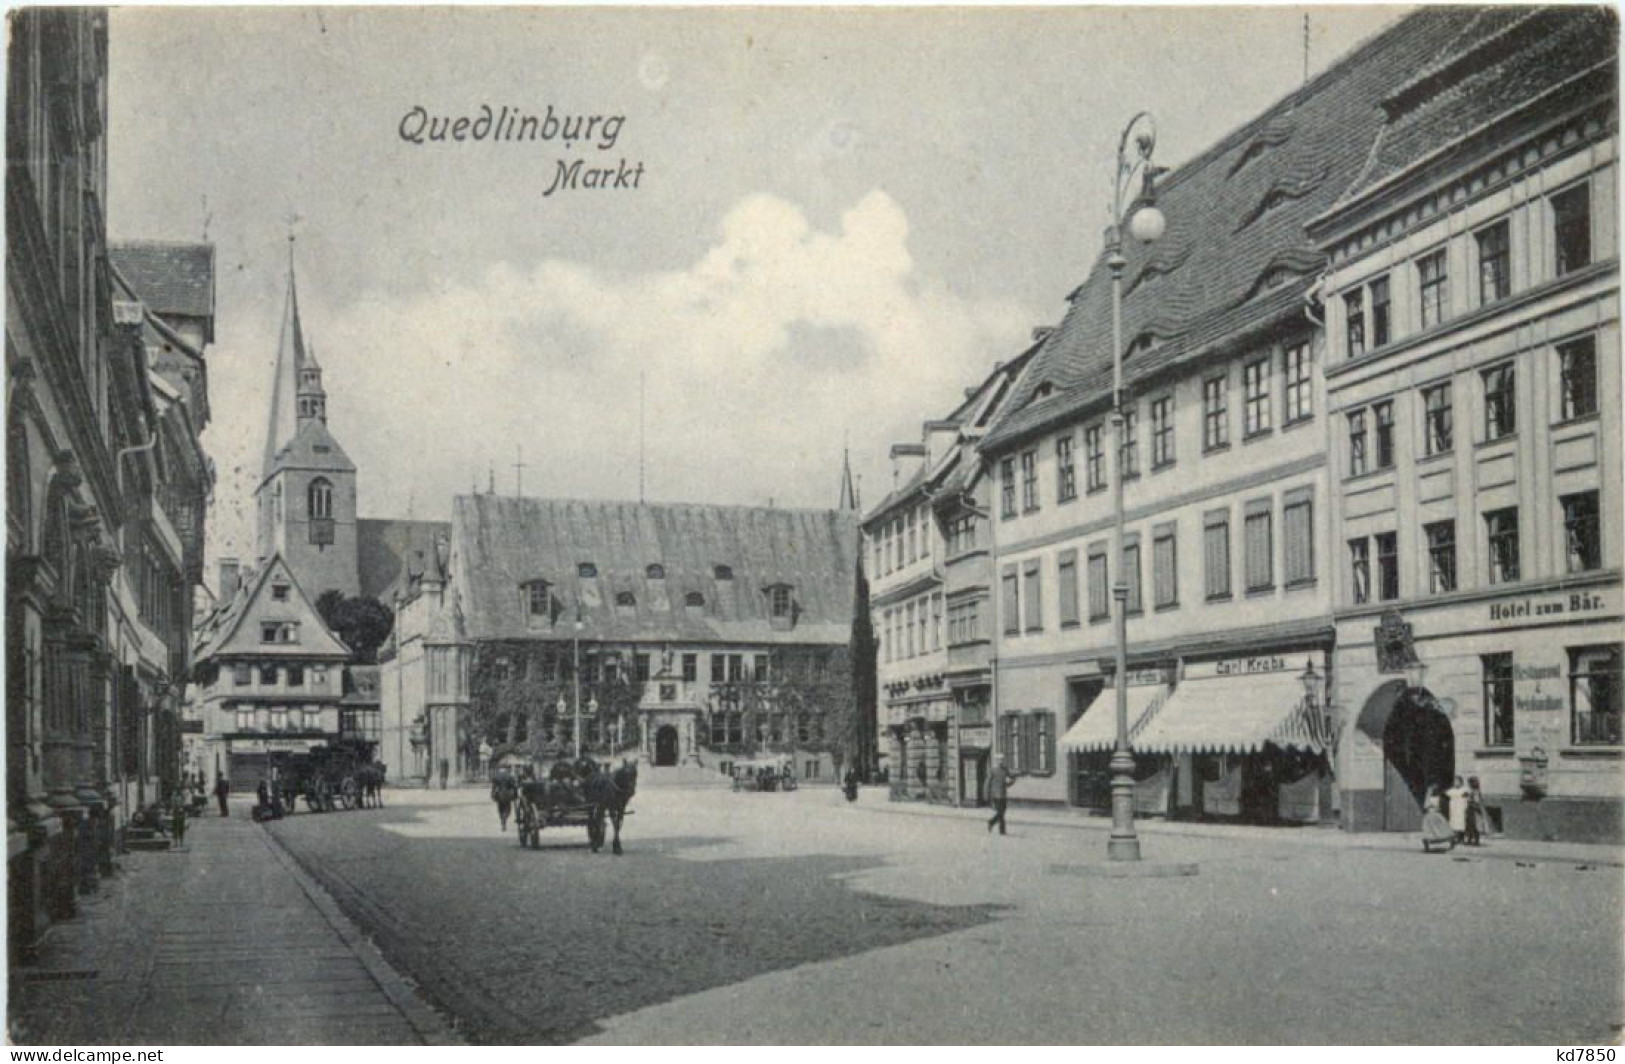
(666, 746)
(1418, 751)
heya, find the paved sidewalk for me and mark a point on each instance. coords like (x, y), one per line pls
(876, 800)
(224, 941)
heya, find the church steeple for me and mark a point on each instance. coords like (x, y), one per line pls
(849, 488)
(312, 397)
(288, 387)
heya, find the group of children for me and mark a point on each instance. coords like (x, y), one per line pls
(1455, 817)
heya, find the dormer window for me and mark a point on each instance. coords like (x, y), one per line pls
(587, 571)
(779, 599)
(722, 572)
(694, 602)
(625, 602)
(538, 598)
(655, 572)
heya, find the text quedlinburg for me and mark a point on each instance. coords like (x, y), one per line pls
(513, 125)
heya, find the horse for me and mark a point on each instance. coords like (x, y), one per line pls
(610, 793)
(504, 792)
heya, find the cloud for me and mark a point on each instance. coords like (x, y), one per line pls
(755, 359)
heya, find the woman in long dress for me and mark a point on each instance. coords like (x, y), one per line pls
(1435, 828)
(1457, 797)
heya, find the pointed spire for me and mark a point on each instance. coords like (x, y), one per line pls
(849, 488)
(290, 359)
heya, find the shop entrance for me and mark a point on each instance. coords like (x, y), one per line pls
(1418, 751)
(666, 746)
(973, 777)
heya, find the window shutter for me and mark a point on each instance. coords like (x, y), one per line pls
(1259, 547)
(1035, 599)
(1216, 551)
(1164, 566)
(1297, 520)
(1068, 574)
(1099, 580)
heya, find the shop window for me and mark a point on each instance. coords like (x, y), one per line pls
(1498, 705)
(1577, 361)
(1216, 554)
(1439, 431)
(1360, 570)
(1433, 280)
(1571, 228)
(1494, 263)
(1582, 532)
(1500, 409)
(1594, 694)
(1441, 537)
(1501, 527)
(1066, 474)
(1387, 566)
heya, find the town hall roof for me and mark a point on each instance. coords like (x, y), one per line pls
(660, 554)
(1235, 261)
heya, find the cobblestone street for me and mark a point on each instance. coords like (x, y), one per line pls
(786, 918)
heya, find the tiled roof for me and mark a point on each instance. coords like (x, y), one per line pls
(1505, 58)
(312, 448)
(170, 277)
(1235, 253)
(501, 543)
(392, 554)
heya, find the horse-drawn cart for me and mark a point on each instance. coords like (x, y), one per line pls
(341, 775)
(579, 795)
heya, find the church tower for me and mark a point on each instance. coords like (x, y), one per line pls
(306, 499)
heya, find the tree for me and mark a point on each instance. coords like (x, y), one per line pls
(516, 688)
(362, 622)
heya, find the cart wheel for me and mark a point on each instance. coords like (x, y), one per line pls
(349, 793)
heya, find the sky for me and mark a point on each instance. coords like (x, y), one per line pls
(843, 218)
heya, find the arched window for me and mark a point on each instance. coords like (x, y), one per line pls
(321, 498)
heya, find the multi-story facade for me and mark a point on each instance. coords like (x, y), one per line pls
(269, 675)
(1227, 525)
(683, 634)
(105, 485)
(1474, 360)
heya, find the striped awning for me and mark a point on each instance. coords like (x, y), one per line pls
(1232, 715)
(1096, 730)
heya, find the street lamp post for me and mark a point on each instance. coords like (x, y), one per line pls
(1146, 226)
(575, 674)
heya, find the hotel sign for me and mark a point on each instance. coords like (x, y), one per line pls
(1578, 602)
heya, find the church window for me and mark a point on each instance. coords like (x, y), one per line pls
(321, 498)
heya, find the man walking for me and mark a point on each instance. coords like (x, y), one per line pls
(998, 792)
(445, 770)
(222, 787)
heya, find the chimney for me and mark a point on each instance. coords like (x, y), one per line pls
(230, 578)
(905, 459)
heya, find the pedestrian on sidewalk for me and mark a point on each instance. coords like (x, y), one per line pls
(1476, 813)
(1456, 796)
(177, 822)
(998, 792)
(1435, 828)
(445, 770)
(222, 787)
